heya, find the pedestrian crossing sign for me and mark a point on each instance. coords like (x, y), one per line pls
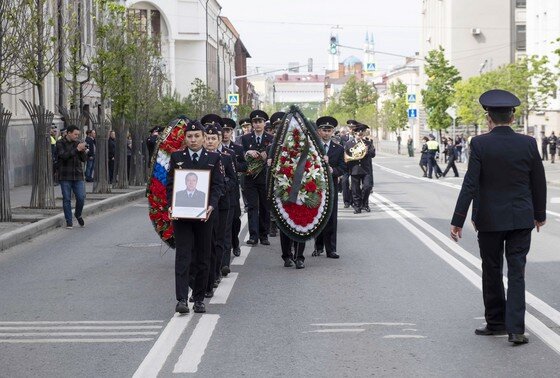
(233, 99)
(411, 98)
(370, 67)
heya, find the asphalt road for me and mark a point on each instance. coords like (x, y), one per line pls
(403, 300)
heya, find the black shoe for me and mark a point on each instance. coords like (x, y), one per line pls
(251, 242)
(81, 221)
(333, 255)
(288, 263)
(518, 338)
(191, 299)
(346, 205)
(237, 252)
(69, 226)
(265, 242)
(225, 271)
(216, 284)
(199, 307)
(428, 177)
(367, 209)
(208, 294)
(182, 307)
(484, 331)
(299, 264)
(424, 175)
(272, 234)
(357, 210)
(317, 252)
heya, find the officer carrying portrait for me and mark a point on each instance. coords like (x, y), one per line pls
(190, 193)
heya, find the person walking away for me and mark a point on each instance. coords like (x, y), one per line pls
(552, 144)
(71, 155)
(451, 157)
(544, 147)
(90, 142)
(433, 149)
(508, 191)
(424, 156)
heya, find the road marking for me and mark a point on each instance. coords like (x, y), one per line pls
(240, 260)
(404, 337)
(438, 182)
(223, 291)
(555, 200)
(196, 346)
(29, 334)
(336, 330)
(154, 361)
(84, 322)
(550, 338)
(360, 324)
(39, 328)
(531, 299)
(34, 341)
(410, 330)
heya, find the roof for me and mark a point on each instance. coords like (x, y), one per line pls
(351, 60)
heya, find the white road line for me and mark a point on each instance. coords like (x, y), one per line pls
(240, 260)
(555, 200)
(163, 346)
(410, 330)
(438, 182)
(84, 322)
(551, 338)
(221, 294)
(194, 350)
(360, 324)
(34, 334)
(404, 337)
(37, 341)
(531, 299)
(336, 330)
(4, 328)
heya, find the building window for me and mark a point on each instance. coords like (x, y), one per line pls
(520, 37)
(521, 3)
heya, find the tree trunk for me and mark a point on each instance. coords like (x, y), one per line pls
(42, 191)
(101, 177)
(5, 206)
(137, 169)
(121, 130)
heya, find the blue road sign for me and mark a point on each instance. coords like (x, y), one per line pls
(412, 113)
(412, 98)
(233, 99)
(370, 67)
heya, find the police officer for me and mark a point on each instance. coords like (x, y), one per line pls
(255, 146)
(433, 149)
(235, 207)
(509, 194)
(275, 121)
(246, 126)
(345, 179)
(193, 238)
(335, 158)
(360, 171)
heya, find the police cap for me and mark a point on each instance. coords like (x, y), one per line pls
(326, 122)
(214, 129)
(228, 123)
(195, 126)
(245, 122)
(276, 117)
(361, 127)
(212, 119)
(258, 114)
(499, 101)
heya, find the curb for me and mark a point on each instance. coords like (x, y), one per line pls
(43, 226)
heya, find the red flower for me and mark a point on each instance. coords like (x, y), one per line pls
(300, 214)
(307, 164)
(288, 171)
(311, 187)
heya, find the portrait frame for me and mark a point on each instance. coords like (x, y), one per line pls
(185, 205)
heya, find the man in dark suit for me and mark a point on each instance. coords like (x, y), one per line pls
(345, 179)
(361, 171)
(335, 157)
(193, 237)
(506, 182)
(190, 197)
(255, 146)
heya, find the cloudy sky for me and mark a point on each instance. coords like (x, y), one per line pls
(277, 32)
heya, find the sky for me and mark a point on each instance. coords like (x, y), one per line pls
(278, 32)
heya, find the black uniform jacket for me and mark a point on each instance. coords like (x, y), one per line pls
(336, 159)
(240, 161)
(249, 142)
(230, 179)
(207, 161)
(506, 181)
(363, 166)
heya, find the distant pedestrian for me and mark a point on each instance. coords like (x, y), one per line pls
(410, 146)
(552, 144)
(399, 140)
(433, 150)
(71, 155)
(90, 141)
(128, 155)
(112, 147)
(544, 147)
(451, 157)
(54, 154)
(424, 156)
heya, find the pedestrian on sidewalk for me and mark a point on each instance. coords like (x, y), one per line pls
(112, 149)
(424, 156)
(410, 146)
(399, 139)
(72, 154)
(90, 142)
(552, 140)
(544, 146)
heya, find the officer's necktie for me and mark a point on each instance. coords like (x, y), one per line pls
(190, 195)
(258, 140)
(326, 147)
(195, 158)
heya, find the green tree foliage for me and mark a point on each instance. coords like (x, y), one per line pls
(395, 109)
(203, 99)
(357, 100)
(440, 89)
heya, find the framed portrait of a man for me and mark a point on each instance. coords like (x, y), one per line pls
(191, 188)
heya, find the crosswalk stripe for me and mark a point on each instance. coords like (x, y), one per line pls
(34, 334)
(196, 346)
(39, 328)
(223, 291)
(36, 341)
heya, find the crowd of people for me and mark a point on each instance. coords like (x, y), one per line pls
(453, 151)
(204, 247)
(549, 144)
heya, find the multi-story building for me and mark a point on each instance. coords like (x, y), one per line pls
(543, 29)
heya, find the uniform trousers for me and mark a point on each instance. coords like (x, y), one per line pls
(361, 189)
(218, 240)
(346, 192)
(286, 244)
(228, 236)
(327, 238)
(498, 312)
(451, 165)
(258, 213)
(236, 225)
(193, 246)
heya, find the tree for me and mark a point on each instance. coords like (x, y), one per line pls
(10, 16)
(38, 57)
(395, 109)
(168, 108)
(440, 88)
(354, 95)
(204, 100)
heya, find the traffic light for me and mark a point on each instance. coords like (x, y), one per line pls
(310, 65)
(334, 45)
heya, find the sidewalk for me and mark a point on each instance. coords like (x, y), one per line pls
(28, 223)
(388, 147)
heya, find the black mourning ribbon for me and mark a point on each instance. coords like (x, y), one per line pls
(298, 174)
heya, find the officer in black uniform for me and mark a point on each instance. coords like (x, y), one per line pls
(152, 140)
(345, 179)
(360, 171)
(193, 238)
(506, 182)
(335, 157)
(255, 145)
(235, 206)
(275, 121)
